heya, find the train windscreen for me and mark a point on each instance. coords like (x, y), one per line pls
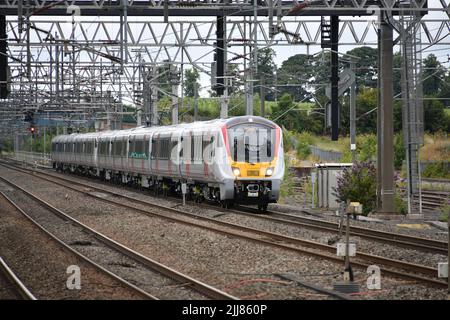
(252, 143)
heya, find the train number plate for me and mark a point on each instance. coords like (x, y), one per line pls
(253, 173)
(253, 194)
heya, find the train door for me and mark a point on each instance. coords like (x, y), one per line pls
(150, 150)
(95, 153)
(130, 153)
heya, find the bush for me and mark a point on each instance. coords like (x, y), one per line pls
(367, 147)
(437, 170)
(288, 140)
(358, 183)
(287, 185)
(304, 141)
(445, 210)
(400, 205)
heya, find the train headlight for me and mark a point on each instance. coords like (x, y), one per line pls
(269, 171)
(236, 171)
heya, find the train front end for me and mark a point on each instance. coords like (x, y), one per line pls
(255, 157)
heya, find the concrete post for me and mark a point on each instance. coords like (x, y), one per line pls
(387, 126)
(353, 115)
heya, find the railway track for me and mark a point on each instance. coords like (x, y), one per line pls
(391, 267)
(416, 243)
(431, 199)
(180, 278)
(20, 290)
(407, 241)
(80, 256)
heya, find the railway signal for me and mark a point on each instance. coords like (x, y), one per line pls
(33, 130)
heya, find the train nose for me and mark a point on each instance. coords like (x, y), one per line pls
(253, 187)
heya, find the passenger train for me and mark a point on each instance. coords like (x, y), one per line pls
(235, 160)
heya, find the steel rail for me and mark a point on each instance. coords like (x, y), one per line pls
(196, 285)
(19, 287)
(417, 243)
(265, 237)
(78, 254)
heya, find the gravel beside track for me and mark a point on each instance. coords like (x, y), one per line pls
(363, 245)
(394, 226)
(7, 289)
(41, 263)
(244, 269)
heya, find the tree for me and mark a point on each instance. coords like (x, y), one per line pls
(191, 77)
(433, 74)
(266, 69)
(397, 73)
(435, 117)
(295, 72)
(163, 81)
(288, 119)
(445, 90)
(366, 101)
(366, 66)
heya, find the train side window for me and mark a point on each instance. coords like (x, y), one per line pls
(165, 148)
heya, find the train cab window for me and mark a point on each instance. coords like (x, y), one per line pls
(251, 143)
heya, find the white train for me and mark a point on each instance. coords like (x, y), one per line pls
(235, 160)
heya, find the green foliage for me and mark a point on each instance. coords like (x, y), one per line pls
(266, 69)
(6, 145)
(358, 183)
(191, 77)
(400, 205)
(366, 66)
(445, 211)
(433, 73)
(288, 140)
(287, 184)
(435, 117)
(304, 141)
(293, 71)
(439, 169)
(295, 116)
(367, 147)
(399, 151)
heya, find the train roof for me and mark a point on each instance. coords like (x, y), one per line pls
(215, 123)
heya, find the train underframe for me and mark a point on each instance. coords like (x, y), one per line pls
(245, 192)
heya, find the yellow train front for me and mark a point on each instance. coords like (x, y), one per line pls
(255, 155)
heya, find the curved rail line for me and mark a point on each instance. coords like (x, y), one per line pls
(196, 285)
(257, 235)
(19, 287)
